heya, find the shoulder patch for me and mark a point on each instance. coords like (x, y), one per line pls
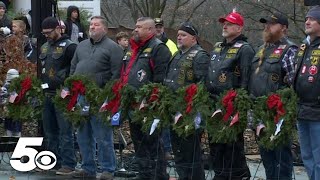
(193, 53)
(237, 45)
(63, 44)
(129, 53)
(218, 44)
(315, 52)
(147, 50)
(282, 46)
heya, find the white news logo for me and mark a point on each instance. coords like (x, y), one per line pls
(44, 160)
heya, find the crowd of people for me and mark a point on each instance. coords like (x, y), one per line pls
(149, 56)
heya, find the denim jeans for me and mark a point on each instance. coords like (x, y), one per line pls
(58, 135)
(166, 139)
(278, 163)
(309, 136)
(90, 132)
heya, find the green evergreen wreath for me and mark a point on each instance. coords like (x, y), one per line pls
(285, 109)
(115, 97)
(191, 101)
(28, 105)
(226, 128)
(153, 101)
(76, 115)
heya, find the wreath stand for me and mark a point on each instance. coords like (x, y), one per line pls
(121, 145)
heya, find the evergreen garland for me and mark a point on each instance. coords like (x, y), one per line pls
(268, 117)
(185, 126)
(127, 100)
(153, 101)
(119, 97)
(76, 116)
(225, 130)
(29, 106)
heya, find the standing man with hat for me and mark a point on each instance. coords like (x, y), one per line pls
(189, 65)
(229, 69)
(160, 34)
(307, 86)
(55, 56)
(273, 69)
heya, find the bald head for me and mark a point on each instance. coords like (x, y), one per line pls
(145, 28)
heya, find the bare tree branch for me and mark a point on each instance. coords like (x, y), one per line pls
(195, 8)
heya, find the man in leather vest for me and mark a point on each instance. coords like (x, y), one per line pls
(272, 69)
(145, 63)
(307, 86)
(189, 65)
(229, 68)
(55, 56)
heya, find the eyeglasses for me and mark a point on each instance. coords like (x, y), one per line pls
(47, 33)
(187, 25)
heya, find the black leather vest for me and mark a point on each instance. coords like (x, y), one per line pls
(224, 69)
(52, 60)
(269, 76)
(180, 71)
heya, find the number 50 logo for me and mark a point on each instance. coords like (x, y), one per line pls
(44, 160)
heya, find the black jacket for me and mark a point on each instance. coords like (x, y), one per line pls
(306, 81)
(6, 22)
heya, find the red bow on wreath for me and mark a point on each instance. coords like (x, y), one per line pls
(227, 102)
(77, 88)
(274, 101)
(154, 95)
(190, 92)
(114, 104)
(25, 87)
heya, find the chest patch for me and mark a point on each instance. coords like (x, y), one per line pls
(141, 75)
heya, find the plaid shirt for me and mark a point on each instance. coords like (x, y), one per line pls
(288, 63)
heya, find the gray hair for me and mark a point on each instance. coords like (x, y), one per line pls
(102, 19)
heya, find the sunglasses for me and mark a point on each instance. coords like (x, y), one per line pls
(48, 32)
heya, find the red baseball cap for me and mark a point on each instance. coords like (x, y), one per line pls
(234, 18)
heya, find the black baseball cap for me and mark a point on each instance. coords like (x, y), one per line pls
(158, 21)
(276, 18)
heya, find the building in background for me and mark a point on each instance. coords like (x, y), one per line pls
(93, 6)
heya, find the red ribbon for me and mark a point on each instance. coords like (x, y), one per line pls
(154, 95)
(227, 102)
(114, 104)
(77, 88)
(25, 87)
(274, 101)
(190, 92)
